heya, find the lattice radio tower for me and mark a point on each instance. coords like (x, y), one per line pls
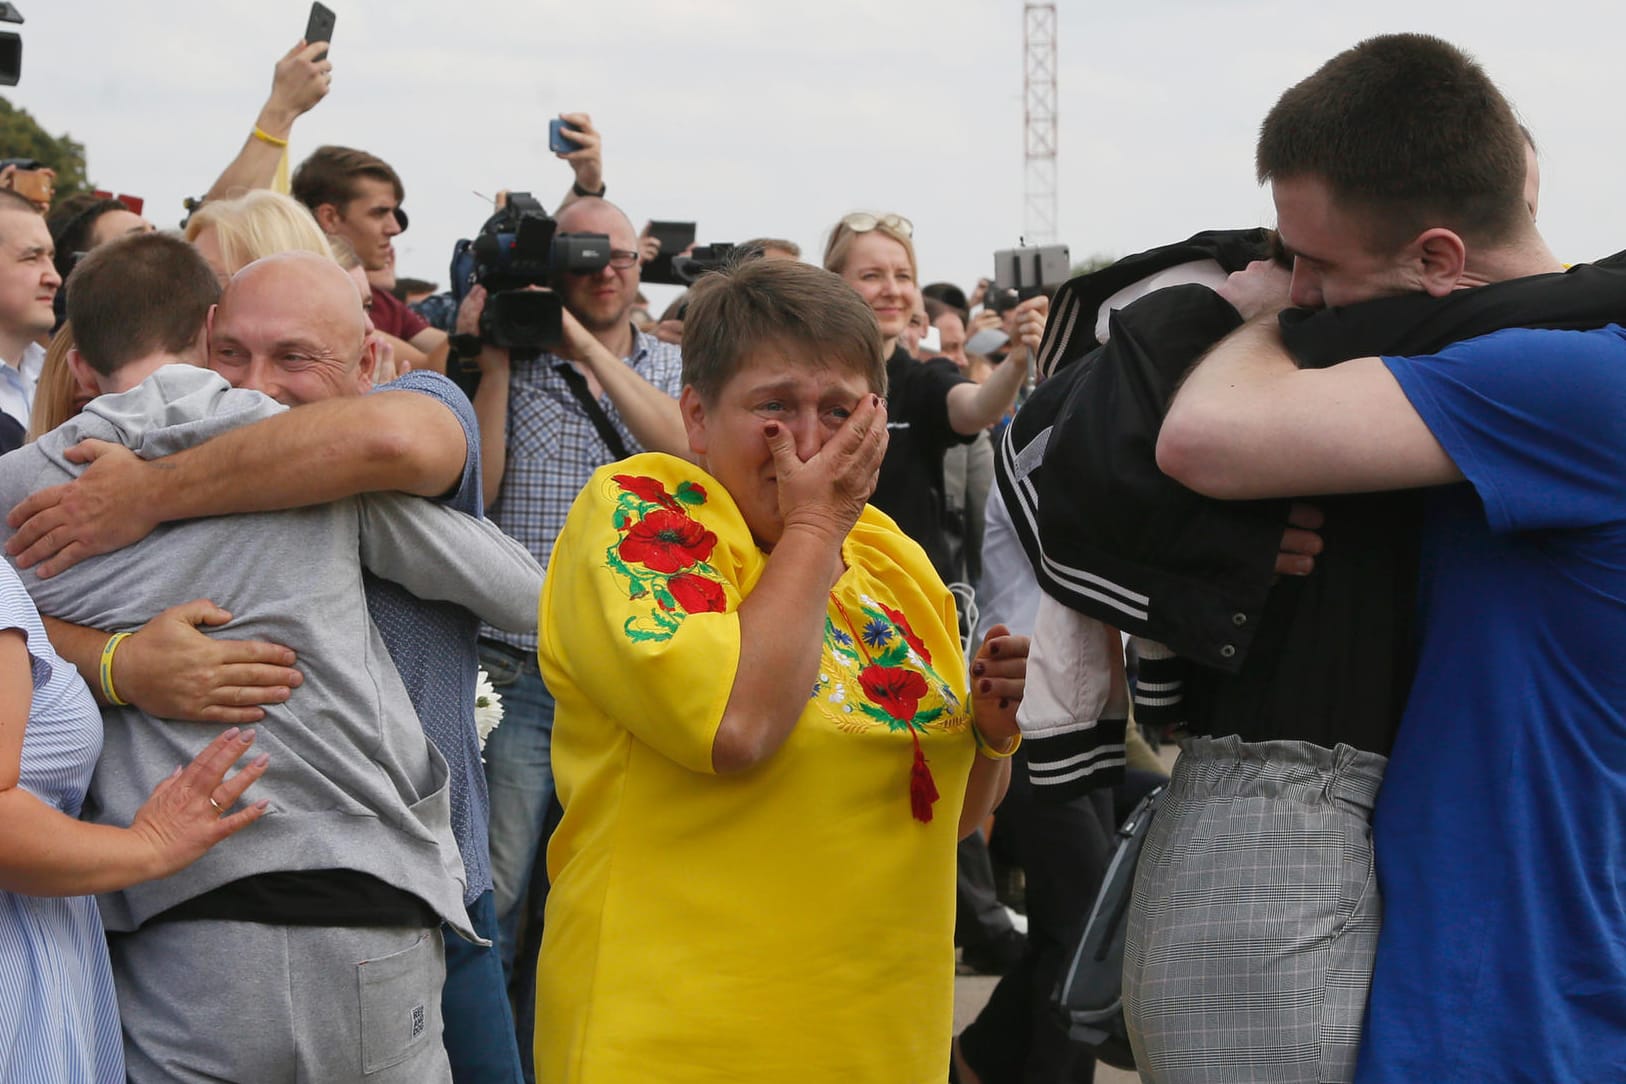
(1039, 122)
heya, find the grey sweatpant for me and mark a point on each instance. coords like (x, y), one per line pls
(241, 1001)
(1248, 952)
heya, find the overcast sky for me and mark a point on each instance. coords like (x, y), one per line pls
(776, 118)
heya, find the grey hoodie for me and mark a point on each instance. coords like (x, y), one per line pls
(353, 782)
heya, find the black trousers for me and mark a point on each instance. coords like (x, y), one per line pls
(1063, 848)
(979, 917)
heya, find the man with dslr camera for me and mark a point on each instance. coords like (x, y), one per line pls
(550, 414)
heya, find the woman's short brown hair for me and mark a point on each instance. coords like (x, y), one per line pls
(812, 315)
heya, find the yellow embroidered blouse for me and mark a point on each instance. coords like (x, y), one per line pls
(793, 922)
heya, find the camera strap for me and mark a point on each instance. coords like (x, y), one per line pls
(595, 413)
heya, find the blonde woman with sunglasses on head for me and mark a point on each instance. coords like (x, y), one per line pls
(930, 406)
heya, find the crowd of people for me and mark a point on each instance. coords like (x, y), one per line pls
(809, 600)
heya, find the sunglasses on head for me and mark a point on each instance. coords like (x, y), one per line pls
(864, 222)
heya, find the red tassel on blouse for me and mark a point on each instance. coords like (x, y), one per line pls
(922, 787)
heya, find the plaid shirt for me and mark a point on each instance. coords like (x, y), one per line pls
(553, 449)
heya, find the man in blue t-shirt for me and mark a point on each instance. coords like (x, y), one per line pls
(1499, 829)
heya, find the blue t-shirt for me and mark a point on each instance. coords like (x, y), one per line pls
(1500, 831)
(433, 646)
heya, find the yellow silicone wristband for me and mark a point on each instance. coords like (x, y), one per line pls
(106, 668)
(989, 751)
(266, 137)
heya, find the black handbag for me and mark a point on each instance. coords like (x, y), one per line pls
(1090, 994)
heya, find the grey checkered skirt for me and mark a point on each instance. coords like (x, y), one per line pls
(1248, 953)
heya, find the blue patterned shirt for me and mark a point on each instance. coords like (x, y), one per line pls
(433, 647)
(553, 449)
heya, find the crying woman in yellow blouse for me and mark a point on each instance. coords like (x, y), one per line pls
(767, 744)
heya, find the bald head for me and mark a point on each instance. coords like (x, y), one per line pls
(594, 215)
(307, 277)
(602, 300)
(292, 325)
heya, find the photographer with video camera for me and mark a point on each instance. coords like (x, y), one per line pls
(566, 384)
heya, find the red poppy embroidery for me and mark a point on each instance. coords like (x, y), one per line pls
(895, 690)
(902, 622)
(667, 541)
(645, 489)
(663, 555)
(696, 594)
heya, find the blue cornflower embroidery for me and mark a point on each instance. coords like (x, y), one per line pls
(877, 633)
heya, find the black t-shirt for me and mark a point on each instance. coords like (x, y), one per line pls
(1333, 657)
(319, 897)
(910, 489)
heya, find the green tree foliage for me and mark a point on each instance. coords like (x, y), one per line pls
(1093, 262)
(22, 137)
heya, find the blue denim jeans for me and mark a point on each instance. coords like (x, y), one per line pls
(479, 1033)
(519, 775)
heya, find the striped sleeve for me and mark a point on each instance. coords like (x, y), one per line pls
(1076, 704)
(1160, 685)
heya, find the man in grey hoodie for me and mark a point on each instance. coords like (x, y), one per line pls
(343, 884)
(416, 434)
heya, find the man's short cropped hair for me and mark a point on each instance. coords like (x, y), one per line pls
(11, 201)
(329, 176)
(937, 308)
(950, 295)
(808, 313)
(766, 245)
(140, 295)
(71, 232)
(1409, 131)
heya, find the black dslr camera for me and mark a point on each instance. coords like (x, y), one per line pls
(519, 248)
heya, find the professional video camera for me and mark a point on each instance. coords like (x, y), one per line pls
(520, 248)
(11, 47)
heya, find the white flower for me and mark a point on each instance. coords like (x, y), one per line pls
(487, 707)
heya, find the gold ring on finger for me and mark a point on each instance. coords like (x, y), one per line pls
(218, 810)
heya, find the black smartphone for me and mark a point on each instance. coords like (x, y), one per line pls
(674, 238)
(319, 27)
